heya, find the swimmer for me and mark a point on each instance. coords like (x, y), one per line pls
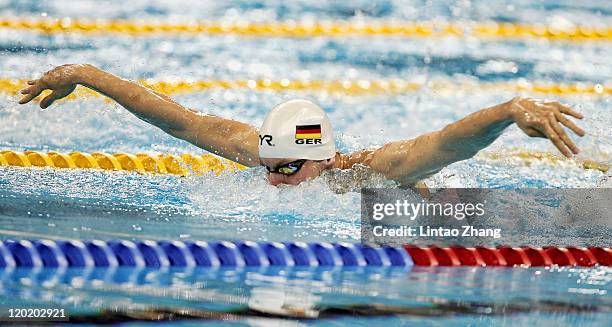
(295, 142)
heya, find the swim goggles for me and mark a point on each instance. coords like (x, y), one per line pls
(289, 168)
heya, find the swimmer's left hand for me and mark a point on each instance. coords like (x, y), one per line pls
(538, 118)
(61, 81)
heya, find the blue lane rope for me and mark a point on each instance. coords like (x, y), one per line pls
(157, 254)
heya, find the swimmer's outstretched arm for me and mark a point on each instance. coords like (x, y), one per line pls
(228, 138)
(412, 160)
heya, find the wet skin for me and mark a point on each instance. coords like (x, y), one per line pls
(405, 161)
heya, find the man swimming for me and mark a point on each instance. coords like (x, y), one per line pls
(295, 142)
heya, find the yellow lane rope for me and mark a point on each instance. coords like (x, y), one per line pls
(188, 164)
(345, 87)
(528, 157)
(313, 29)
(182, 165)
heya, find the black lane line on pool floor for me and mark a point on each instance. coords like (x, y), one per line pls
(437, 308)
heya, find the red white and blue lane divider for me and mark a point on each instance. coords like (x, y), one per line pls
(96, 253)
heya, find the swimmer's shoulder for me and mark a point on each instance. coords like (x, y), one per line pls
(349, 160)
(363, 158)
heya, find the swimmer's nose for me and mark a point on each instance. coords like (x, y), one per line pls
(275, 179)
(278, 179)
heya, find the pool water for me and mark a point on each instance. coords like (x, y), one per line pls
(54, 204)
(422, 295)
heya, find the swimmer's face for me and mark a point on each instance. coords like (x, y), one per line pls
(310, 169)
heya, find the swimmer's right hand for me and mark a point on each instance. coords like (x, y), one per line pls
(61, 80)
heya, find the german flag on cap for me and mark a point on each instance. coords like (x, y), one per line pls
(308, 131)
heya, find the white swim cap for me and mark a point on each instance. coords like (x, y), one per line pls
(297, 129)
